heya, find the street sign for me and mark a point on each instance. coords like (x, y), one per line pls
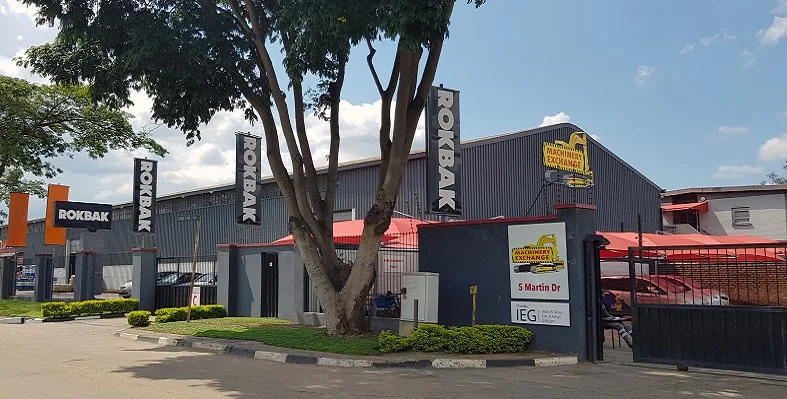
(473, 289)
(190, 218)
(195, 294)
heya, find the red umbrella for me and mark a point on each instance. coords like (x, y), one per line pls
(402, 233)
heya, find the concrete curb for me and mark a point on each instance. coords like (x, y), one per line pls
(12, 320)
(78, 318)
(281, 357)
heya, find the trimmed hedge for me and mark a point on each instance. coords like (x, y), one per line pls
(139, 318)
(62, 310)
(167, 315)
(478, 339)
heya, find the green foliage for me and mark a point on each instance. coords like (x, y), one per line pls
(54, 310)
(41, 122)
(60, 310)
(480, 339)
(390, 342)
(168, 315)
(139, 318)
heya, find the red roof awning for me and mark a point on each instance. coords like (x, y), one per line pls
(696, 206)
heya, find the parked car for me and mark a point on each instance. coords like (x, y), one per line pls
(205, 279)
(665, 289)
(125, 288)
(174, 279)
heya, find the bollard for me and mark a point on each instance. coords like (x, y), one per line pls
(415, 313)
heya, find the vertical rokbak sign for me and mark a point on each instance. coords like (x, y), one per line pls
(247, 179)
(443, 149)
(144, 203)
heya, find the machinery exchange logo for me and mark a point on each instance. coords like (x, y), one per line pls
(568, 165)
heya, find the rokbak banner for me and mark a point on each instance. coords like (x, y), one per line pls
(247, 179)
(444, 155)
(144, 202)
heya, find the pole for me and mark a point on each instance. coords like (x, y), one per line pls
(193, 268)
(473, 310)
(473, 293)
(415, 313)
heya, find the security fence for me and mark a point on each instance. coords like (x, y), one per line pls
(398, 254)
(174, 276)
(711, 306)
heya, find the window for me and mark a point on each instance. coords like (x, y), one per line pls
(740, 216)
(689, 217)
(344, 215)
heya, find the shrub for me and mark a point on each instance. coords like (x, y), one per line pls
(139, 318)
(465, 340)
(167, 315)
(61, 310)
(54, 310)
(390, 342)
(428, 338)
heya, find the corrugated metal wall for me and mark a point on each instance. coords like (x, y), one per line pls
(502, 176)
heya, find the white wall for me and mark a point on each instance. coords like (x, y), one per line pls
(767, 215)
(114, 276)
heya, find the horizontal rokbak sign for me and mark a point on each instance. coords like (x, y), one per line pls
(83, 215)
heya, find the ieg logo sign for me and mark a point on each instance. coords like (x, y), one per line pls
(144, 202)
(83, 215)
(444, 153)
(247, 179)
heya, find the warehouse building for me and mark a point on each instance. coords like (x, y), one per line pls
(508, 175)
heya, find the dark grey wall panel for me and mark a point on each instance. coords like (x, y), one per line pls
(502, 176)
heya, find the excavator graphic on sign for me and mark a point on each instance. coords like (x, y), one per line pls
(579, 176)
(538, 258)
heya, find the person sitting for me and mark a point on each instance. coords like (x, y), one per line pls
(612, 323)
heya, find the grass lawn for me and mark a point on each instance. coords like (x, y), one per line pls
(9, 307)
(272, 332)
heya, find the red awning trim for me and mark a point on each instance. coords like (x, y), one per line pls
(696, 206)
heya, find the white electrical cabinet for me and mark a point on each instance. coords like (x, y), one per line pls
(424, 287)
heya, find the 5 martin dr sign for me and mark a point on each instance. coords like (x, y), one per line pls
(84, 215)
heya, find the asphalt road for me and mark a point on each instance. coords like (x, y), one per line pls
(83, 360)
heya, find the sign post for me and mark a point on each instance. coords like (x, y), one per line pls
(473, 292)
(195, 296)
(198, 219)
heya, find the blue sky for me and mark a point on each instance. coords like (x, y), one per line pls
(691, 93)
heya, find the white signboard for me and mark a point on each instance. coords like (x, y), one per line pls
(195, 295)
(547, 313)
(537, 261)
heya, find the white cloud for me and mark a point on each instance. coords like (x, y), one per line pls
(643, 73)
(736, 171)
(774, 33)
(723, 36)
(748, 58)
(17, 7)
(781, 8)
(560, 117)
(727, 131)
(774, 148)
(19, 37)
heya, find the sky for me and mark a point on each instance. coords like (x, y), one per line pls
(690, 93)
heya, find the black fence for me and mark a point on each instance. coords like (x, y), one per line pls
(174, 281)
(398, 254)
(706, 306)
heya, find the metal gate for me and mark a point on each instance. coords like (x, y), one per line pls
(270, 284)
(173, 281)
(710, 306)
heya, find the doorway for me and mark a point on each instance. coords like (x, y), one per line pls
(270, 284)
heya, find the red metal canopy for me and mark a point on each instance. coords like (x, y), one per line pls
(403, 233)
(697, 206)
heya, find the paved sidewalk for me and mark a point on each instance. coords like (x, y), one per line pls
(84, 360)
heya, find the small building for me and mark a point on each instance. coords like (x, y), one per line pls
(759, 210)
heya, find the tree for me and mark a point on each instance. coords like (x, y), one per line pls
(196, 58)
(41, 122)
(775, 178)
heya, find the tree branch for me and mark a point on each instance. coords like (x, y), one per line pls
(333, 153)
(235, 6)
(284, 117)
(385, 120)
(370, 62)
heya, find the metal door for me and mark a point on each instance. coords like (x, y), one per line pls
(270, 284)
